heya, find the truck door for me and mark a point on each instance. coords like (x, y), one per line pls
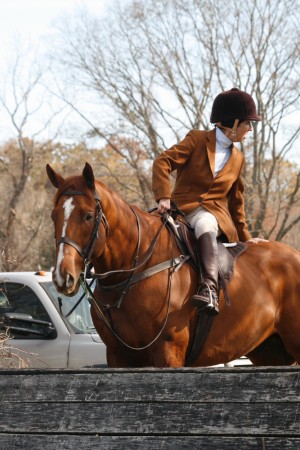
(33, 349)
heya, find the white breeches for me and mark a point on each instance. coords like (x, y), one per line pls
(203, 222)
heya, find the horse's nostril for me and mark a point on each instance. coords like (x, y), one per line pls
(69, 281)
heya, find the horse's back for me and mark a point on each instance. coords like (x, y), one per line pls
(270, 258)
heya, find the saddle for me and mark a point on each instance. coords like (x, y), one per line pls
(227, 253)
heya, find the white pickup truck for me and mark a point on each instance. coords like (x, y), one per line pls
(41, 336)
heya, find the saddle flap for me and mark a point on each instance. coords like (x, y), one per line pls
(227, 253)
(227, 257)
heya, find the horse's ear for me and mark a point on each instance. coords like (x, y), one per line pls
(88, 176)
(56, 179)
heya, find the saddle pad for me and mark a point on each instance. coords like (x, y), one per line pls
(227, 257)
(228, 253)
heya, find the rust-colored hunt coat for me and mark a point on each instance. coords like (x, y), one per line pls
(194, 160)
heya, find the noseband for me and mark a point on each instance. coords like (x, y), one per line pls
(87, 252)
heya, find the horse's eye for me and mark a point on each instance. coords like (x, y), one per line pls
(89, 217)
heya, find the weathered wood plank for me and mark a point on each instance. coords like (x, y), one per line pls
(151, 409)
(153, 418)
(219, 369)
(70, 442)
(161, 386)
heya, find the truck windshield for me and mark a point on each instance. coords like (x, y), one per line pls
(80, 319)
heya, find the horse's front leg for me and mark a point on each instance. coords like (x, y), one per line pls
(170, 350)
(119, 359)
(163, 354)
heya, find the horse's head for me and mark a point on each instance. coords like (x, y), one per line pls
(77, 216)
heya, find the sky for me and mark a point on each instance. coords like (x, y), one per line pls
(30, 21)
(35, 17)
(28, 24)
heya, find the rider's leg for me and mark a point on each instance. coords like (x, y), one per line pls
(207, 296)
(206, 231)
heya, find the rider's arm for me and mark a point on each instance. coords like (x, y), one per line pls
(167, 162)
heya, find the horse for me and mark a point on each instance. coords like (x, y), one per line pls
(141, 303)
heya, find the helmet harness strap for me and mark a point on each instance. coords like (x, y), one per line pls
(232, 130)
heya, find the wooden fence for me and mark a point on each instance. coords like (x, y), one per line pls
(215, 408)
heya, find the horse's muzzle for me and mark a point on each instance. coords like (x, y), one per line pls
(67, 284)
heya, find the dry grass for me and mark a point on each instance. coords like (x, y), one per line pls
(9, 354)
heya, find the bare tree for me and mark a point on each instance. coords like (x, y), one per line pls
(155, 67)
(21, 100)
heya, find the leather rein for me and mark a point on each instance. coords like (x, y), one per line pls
(86, 253)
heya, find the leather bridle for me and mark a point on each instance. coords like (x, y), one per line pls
(173, 264)
(86, 252)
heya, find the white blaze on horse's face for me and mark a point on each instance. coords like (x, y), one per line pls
(68, 208)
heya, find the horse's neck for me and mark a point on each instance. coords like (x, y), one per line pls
(122, 237)
(130, 230)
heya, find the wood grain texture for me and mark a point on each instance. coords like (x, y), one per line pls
(168, 409)
(71, 442)
(161, 386)
(148, 418)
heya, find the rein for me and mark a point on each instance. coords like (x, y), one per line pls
(91, 298)
(124, 286)
(146, 256)
(76, 304)
(174, 264)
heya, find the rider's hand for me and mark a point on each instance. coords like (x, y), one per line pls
(164, 205)
(256, 240)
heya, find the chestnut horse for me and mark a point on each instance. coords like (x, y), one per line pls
(142, 310)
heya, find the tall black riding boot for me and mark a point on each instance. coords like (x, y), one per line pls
(207, 296)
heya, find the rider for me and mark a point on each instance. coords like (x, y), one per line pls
(209, 187)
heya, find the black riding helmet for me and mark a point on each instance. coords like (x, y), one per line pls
(232, 105)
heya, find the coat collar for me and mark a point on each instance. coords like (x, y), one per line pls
(211, 153)
(211, 149)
